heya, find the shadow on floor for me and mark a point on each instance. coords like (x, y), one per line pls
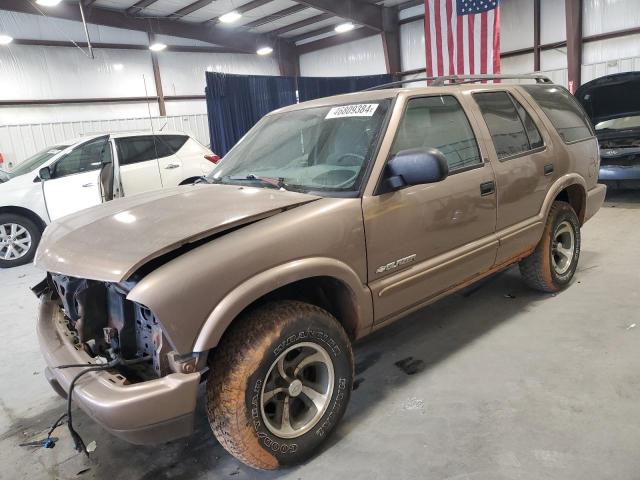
(385, 360)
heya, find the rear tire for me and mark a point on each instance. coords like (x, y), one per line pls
(553, 263)
(285, 356)
(19, 238)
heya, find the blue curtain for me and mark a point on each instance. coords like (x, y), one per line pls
(310, 88)
(236, 102)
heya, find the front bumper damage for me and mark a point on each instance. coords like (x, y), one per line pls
(152, 411)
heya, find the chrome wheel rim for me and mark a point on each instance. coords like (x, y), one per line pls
(297, 389)
(563, 248)
(15, 241)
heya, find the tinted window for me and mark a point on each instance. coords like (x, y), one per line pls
(173, 142)
(507, 131)
(88, 156)
(535, 139)
(143, 148)
(563, 111)
(438, 122)
(37, 160)
(136, 149)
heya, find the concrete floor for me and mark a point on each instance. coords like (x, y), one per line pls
(507, 384)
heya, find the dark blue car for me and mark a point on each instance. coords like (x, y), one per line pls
(613, 104)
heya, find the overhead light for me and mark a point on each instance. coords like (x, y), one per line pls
(5, 39)
(157, 47)
(229, 17)
(48, 3)
(344, 27)
(264, 50)
(118, 66)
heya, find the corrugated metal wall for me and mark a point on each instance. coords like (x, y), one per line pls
(18, 142)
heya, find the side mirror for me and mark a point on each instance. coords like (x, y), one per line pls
(416, 166)
(44, 173)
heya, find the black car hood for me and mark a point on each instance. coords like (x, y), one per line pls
(612, 96)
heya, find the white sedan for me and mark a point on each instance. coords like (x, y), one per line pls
(75, 175)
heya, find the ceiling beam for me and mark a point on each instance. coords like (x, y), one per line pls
(190, 8)
(240, 41)
(120, 46)
(275, 16)
(301, 24)
(242, 9)
(314, 33)
(356, 34)
(359, 12)
(138, 6)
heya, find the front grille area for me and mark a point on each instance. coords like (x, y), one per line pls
(107, 324)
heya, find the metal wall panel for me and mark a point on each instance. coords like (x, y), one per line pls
(18, 142)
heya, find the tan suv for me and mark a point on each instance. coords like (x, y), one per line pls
(330, 219)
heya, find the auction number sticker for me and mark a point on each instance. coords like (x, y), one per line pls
(355, 110)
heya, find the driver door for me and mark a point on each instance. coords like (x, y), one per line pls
(423, 239)
(75, 182)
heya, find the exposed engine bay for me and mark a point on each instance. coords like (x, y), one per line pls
(620, 142)
(105, 324)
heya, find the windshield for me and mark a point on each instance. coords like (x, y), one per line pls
(321, 149)
(36, 160)
(624, 123)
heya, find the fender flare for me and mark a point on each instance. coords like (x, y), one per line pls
(269, 280)
(558, 186)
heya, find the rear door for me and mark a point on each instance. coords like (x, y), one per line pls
(522, 165)
(139, 170)
(172, 160)
(74, 183)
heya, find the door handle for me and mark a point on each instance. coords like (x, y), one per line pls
(171, 166)
(87, 185)
(548, 169)
(487, 188)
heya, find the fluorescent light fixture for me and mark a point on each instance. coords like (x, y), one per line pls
(118, 67)
(264, 50)
(5, 39)
(229, 17)
(157, 47)
(48, 3)
(344, 27)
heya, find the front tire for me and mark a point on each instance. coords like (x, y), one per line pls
(553, 263)
(280, 381)
(19, 238)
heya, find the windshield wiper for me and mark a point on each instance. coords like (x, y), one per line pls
(274, 182)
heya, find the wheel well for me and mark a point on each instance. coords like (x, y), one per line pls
(325, 292)
(25, 212)
(575, 196)
(189, 181)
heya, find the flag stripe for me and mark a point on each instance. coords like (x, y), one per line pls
(471, 44)
(460, 45)
(496, 41)
(462, 37)
(451, 20)
(439, 55)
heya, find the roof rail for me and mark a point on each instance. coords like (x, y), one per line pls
(439, 81)
(460, 79)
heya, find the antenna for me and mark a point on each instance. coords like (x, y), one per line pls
(153, 135)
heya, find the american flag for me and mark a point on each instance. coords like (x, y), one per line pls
(462, 37)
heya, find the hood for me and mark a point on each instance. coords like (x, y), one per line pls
(111, 241)
(612, 96)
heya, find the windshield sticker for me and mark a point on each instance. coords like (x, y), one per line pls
(357, 110)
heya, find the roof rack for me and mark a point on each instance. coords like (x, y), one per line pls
(461, 79)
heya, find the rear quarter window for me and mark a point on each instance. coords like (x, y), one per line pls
(563, 110)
